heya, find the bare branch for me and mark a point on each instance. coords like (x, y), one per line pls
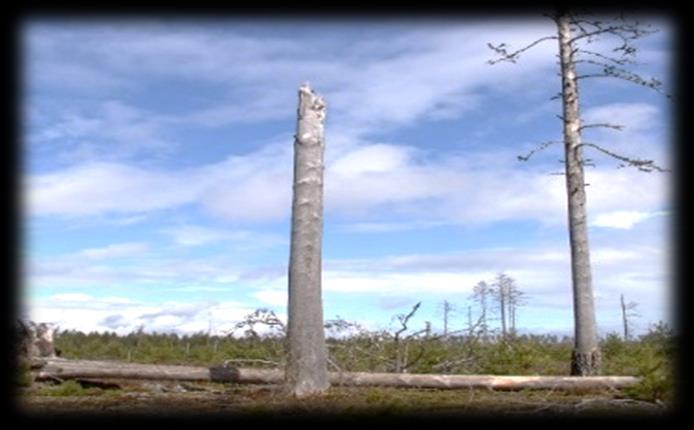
(340, 325)
(625, 31)
(591, 34)
(606, 125)
(540, 147)
(610, 71)
(259, 316)
(513, 56)
(404, 319)
(642, 165)
(621, 61)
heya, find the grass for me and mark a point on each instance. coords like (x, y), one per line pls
(267, 401)
(649, 357)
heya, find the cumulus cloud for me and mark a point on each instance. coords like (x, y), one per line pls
(542, 273)
(373, 184)
(95, 188)
(93, 313)
(246, 188)
(366, 90)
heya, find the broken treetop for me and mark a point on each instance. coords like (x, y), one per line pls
(311, 115)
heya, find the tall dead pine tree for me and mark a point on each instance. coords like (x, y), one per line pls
(585, 358)
(574, 34)
(306, 371)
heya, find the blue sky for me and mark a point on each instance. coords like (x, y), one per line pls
(158, 163)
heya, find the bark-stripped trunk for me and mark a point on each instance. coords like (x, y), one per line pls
(502, 303)
(306, 371)
(469, 320)
(446, 309)
(73, 369)
(625, 322)
(483, 302)
(585, 358)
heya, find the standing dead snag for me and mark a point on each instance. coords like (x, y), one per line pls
(628, 311)
(574, 34)
(306, 371)
(585, 359)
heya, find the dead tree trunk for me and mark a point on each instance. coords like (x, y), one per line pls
(306, 371)
(446, 309)
(585, 358)
(503, 286)
(502, 305)
(624, 318)
(75, 369)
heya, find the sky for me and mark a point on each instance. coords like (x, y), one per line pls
(157, 172)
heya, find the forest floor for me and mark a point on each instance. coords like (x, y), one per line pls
(156, 398)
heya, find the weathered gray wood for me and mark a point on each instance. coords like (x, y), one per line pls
(482, 381)
(586, 354)
(307, 371)
(74, 369)
(34, 340)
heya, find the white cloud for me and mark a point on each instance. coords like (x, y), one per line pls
(156, 271)
(124, 316)
(644, 137)
(369, 182)
(114, 251)
(542, 273)
(96, 188)
(71, 297)
(421, 283)
(79, 78)
(360, 76)
(359, 182)
(366, 92)
(200, 289)
(634, 117)
(379, 227)
(110, 130)
(272, 297)
(191, 235)
(128, 220)
(622, 219)
(372, 158)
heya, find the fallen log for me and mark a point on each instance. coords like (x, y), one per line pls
(73, 369)
(494, 382)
